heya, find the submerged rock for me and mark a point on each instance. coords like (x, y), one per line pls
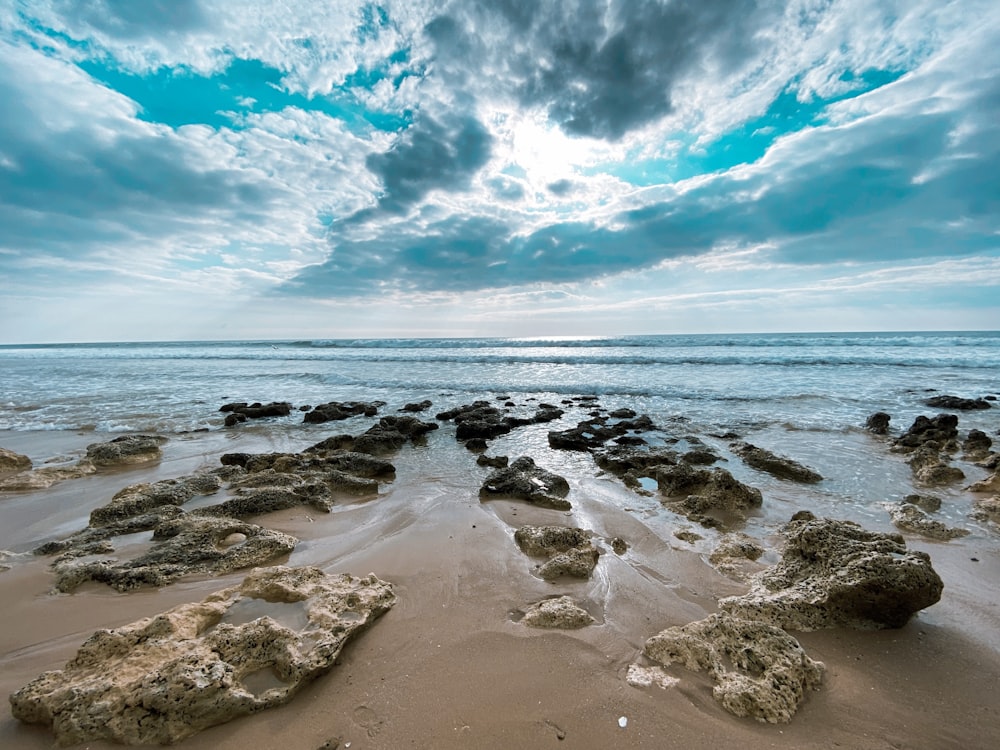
(779, 466)
(241, 650)
(523, 480)
(835, 573)
(560, 612)
(910, 518)
(760, 671)
(182, 545)
(338, 410)
(957, 402)
(127, 449)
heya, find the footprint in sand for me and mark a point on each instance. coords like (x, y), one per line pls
(368, 720)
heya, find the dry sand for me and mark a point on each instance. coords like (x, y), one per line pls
(450, 667)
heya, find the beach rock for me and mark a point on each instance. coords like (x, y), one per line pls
(11, 461)
(125, 450)
(910, 518)
(990, 484)
(479, 419)
(182, 545)
(390, 434)
(45, 477)
(835, 573)
(523, 480)
(732, 553)
(928, 503)
(619, 546)
(688, 535)
(337, 410)
(759, 670)
(627, 460)
(976, 446)
(957, 402)
(878, 423)
(357, 463)
(561, 612)
(593, 433)
(418, 407)
(138, 499)
(779, 466)
(699, 457)
(940, 431)
(987, 509)
(240, 412)
(240, 650)
(931, 467)
(495, 462)
(569, 551)
(696, 492)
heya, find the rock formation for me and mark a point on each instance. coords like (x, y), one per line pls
(11, 461)
(835, 573)
(569, 551)
(240, 650)
(957, 402)
(779, 466)
(127, 449)
(560, 612)
(760, 671)
(523, 480)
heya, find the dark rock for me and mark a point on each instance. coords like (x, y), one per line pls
(942, 430)
(127, 449)
(523, 480)
(622, 460)
(699, 457)
(977, 445)
(779, 466)
(476, 445)
(619, 545)
(878, 423)
(697, 492)
(421, 406)
(337, 410)
(496, 462)
(391, 433)
(957, 402)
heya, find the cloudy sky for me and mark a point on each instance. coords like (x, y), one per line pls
(211, 169)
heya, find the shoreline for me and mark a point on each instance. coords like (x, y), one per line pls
(450, 666)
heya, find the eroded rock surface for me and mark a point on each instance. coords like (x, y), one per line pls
(909, 517)
(878, 423)
(569, 551)
(240, 650)
(127, 449)
(957, 402)
(11, 461)
(561, 612)
(760, 671)
(733, 552)
(778, 466)
(835, 573)
(523, 480)
(698, 492)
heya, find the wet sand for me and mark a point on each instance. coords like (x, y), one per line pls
(450, 666)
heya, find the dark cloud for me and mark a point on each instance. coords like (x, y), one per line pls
(432, 154)
(599, 71)
(134, 19)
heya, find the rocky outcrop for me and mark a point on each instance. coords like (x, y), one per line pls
(595, 432)
(417, 406)
(138, 499)
(390, 434)
(699, 492)
(523, 480)
(931, 467)
(733, 552)
(481, 420)
(759, 670)
(976, 446)
(561, 612)
(127, 449)
(941, 431)
(11, 461)
(242, 411)
(40, 479)
(990, 484)
(779, 466)
(568, 551)
(835, 573)
(878, 423)
(338, 410)
(182, 545)
(239, 651)
(957, 402)
(910, 518)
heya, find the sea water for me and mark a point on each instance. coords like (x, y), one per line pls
(807, 381)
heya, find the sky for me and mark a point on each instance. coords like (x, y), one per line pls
(252, 169)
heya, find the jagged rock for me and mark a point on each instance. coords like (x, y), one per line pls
(523, 480)
(127, 449)
(479, 419)
(622, 460)
(699, 457)
(990, 484)
(338, 410)
(696, 492)
(928, 503)
(835, 573)
(137, 499)
(560, 612)
(779, 466)
(957, 402)
(760, 671)
(570, 551)
(976, 446)
(391, 433)
(241, 650)
(594, 433)
(417, 407)
(932, 468)
(987, 509)
(878, 423)
(619, 546)
(910, 518)
(240, 412)
(11, 461)
(733, 550)
(942, 431)
(495, 462)
(182, 545)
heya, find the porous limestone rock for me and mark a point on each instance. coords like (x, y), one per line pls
(559, 612)
(137, 499)
(976, 446)
(45, 477)
(523, 480)
(181, 545)
(733, 551)
(930, 466)
(241, 650)
(778, 466)
(760, 671)
(11, 461)
(990, 484)
(125, 450)
(910, 518)
(697, 492)
(835, 573)
(569, 551)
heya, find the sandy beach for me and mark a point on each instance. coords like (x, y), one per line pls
(451, 666)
